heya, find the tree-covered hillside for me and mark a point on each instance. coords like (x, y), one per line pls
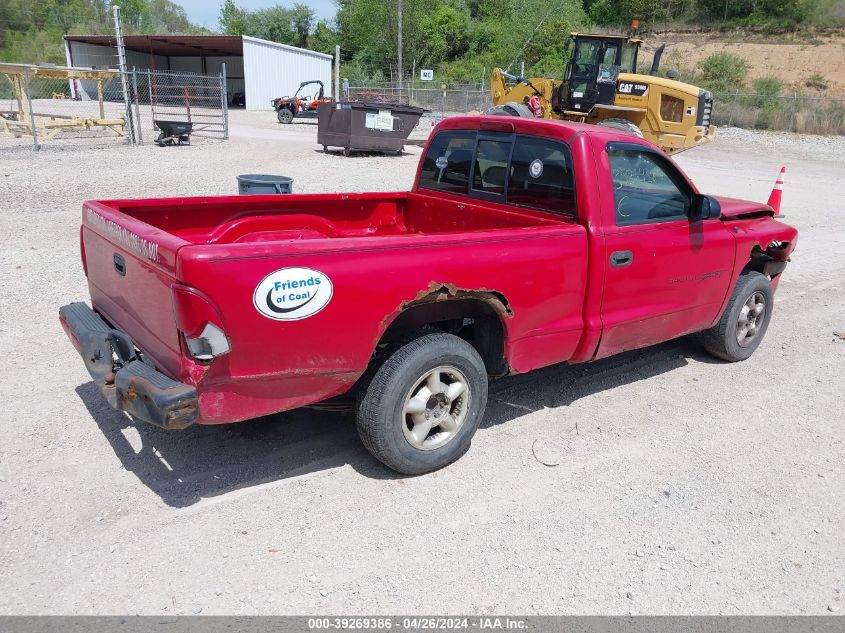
(31, 30)
(464, 39)
(461, 39)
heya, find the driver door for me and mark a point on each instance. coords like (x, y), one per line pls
(665, 275)
(582, 76)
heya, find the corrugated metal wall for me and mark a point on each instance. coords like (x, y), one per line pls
(234, 72)
(84, 55)
(275, 70)
(266, 71)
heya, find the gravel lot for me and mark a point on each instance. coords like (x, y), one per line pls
(684, 485)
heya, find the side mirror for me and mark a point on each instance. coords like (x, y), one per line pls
(705, 207)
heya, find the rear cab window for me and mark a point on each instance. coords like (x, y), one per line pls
(520, 170)
(446, 166)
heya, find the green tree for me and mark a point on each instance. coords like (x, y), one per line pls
(232, 18)
(324, 38)
(302, 20)
(444, 32)
(277, 23)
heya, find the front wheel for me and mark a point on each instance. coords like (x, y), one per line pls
(284, 115)
(745, 320)
(420, 408)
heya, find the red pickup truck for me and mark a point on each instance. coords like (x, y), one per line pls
(522, 243)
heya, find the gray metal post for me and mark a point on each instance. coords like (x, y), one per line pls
(411, 83)
(336, 92)
(140, 138)
(224, 101)
(400, 48)
(150, 89)
(31, 112)
(121, 58)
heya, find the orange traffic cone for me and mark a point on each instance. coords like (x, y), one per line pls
(777, 193)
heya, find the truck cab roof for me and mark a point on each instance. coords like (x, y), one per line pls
(551, 128)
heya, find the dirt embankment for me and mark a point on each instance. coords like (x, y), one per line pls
(795, 58)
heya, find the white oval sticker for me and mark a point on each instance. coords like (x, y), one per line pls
(535, 169)
(442, 162)
(290, 294)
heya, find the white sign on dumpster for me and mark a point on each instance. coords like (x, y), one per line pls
(427, 75)
(381, 121)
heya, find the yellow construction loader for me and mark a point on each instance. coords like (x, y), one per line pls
(601, 86)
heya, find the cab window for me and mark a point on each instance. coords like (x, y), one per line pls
(629, 58)
(541, 176)
(609, 58)
(525, 171)
(491, 166)
(447, 164)
(647, 190)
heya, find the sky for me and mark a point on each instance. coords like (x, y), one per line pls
(205, 12)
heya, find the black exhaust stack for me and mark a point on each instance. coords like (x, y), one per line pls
(655, 65)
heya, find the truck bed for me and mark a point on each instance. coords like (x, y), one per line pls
(296, 217)
(147, 260)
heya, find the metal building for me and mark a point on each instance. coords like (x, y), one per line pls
(260, 69)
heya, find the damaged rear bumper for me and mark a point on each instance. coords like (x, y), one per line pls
(126, 381)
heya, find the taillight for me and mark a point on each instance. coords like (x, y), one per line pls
(200, 323)
(211, 342)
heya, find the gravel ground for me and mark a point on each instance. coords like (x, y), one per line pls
(684, 485)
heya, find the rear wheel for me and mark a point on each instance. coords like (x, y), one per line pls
(512, 108)
(623, 125)
(284, 115)
(419, 409)
(746, 318)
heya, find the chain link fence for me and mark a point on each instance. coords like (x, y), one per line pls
(184, 97)
(42, 106)
(788, 113)
(431, 96)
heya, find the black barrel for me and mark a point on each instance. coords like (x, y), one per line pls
(254, 184)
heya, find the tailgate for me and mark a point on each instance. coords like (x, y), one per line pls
(131, 267)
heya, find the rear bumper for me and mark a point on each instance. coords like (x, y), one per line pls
(128, 383)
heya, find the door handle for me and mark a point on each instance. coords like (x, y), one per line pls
(119, 264)
(621, 258)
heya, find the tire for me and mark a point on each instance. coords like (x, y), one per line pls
(512, 108)
(623, 125)
(745, 320)
(284, 115)
(405, 379)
